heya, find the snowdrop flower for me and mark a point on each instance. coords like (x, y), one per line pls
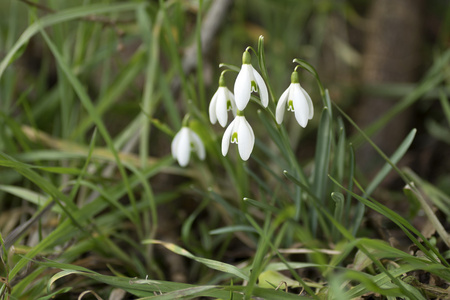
(247, 81)
(184, 142)
(240, 133)
(297, 101)
(221, 102)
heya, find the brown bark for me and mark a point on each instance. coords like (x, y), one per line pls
(391, 55)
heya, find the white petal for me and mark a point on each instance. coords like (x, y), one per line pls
(263, 94)
(246, 138)
(212, 108)
(183, 148)
(310, 104)
(174, 145)
(227, 138)
(300, 103)
(221, 106)
(198, 145)
(242, 86)
(281, 106)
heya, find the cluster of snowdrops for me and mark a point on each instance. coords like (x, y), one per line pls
(239, 131)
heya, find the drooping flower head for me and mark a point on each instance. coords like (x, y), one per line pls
(297, 100)
(247, 81)
(185, 141)
(221, 102)
(241, 133)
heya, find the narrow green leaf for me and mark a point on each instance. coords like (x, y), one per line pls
(398, 154)
(232, 229)
(213, 264)
(338, 198)
(188, 293)
(322, 157)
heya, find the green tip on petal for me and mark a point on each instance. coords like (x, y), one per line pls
(234, 138)
(291, 105)
(294, 77)
(254, 86)
(240, 113)
(246, 59)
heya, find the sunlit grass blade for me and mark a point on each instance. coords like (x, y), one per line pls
(70, 150)
(152, 289)
(28, 195)
(216, 265)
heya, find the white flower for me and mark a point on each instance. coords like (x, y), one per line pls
(183, 143)
(221, 102)
(247, 81)
(297, 101)
(239, 132)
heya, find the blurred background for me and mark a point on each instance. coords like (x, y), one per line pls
(384, 62)
(369, 54)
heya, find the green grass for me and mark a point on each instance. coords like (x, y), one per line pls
(91, 199)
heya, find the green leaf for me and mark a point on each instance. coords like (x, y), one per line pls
(232, 229)
(395, 158)
(213, 264)
(270, 279)
(321, 163)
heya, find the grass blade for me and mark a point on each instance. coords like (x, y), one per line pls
(213, 264)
